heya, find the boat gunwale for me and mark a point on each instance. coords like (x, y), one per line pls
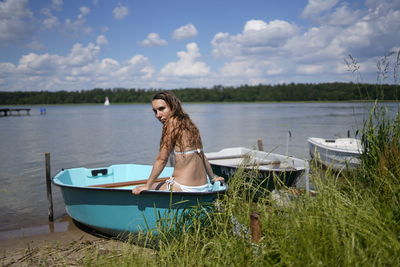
(145, 192)
(261, 168)
(251, 153)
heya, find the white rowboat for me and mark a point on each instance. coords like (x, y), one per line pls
(269, 165)
(338, 154)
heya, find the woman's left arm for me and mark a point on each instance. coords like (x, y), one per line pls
(209, 170)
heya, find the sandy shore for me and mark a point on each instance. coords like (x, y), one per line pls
(47, 243)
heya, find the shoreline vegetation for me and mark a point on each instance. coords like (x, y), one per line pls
(224, 103)
(322, 92)
(352, 219)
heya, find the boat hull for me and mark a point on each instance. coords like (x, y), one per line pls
(335, 158)
(266, 179)
(117, 212)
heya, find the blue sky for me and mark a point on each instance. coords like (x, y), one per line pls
(73, 45)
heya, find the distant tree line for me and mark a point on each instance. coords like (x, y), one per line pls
(219, 93)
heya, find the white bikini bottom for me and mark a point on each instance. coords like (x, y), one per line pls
(186, 188)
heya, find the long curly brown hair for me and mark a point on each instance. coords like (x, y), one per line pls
(179, 130)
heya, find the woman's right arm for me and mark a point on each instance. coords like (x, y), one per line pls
(158, 166)
(161, 160)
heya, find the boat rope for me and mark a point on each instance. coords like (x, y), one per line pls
(240, 230)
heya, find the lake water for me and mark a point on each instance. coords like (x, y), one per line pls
(97, 136)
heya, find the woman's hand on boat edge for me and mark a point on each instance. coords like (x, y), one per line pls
(138, 189)
(218, 178)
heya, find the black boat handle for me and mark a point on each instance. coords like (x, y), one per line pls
(102, 171)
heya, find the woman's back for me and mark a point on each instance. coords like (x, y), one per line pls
(189, 168)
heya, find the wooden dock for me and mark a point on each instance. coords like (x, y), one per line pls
(14, 111)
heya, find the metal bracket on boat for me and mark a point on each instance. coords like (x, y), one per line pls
(101, 171)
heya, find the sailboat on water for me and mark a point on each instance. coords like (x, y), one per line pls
(106, 102)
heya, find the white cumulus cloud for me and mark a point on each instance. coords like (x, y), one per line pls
(78, 26)
(258, 37)
(120, 12)
(185, 32)
(187, 65)
(80, 69)
(43, 65)
(343, 15)
(50, 21)
(281, 50)
(138, 65)
(153, 39)
(16, 20)
(245, 68)
(310, 69)
(316, 7)
(81, 55)
(101, 40)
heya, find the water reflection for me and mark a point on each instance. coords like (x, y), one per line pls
(62, 224)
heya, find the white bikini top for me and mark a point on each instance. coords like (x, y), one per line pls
(188, 152)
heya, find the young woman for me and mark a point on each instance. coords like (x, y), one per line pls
(181, 137)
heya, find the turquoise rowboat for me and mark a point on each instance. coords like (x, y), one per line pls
(102, 199)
